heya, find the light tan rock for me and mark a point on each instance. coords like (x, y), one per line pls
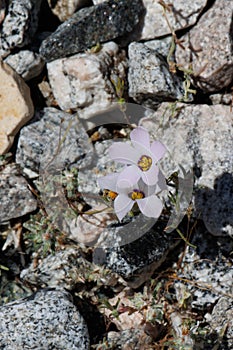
(16, 106)
(63, 9)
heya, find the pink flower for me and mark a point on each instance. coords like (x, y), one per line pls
(141, 155)
(130, 189)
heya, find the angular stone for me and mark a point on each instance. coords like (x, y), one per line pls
(47, 319)
(27, 64)
(83, 82)
(16, 106)
(180, 14)
(40, 140)
(63, 269)
(150, 80)
(200, 137)
(208, 48)
(63, 9)
(20, 25)
(221, 319)
(92, 25)
(16, 199)
(137, 261)
(208, 268)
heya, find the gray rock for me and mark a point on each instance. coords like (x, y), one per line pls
(92, 25)
(54, 137)
(208, 47)
(180, 14)
(47, 319)
(16, 199)
(150, 80)
(64, 269)
(137, 261)
(199, 136)
(206, 271)
(83, 82)
(19, 26)
(129, 339)
(221, 321)
(26, 63)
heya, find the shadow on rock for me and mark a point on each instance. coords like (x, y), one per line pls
(215, 207)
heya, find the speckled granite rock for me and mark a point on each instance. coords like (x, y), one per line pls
(16, 199)
(208, 46)
(16, 106)
(200, 136)
(221, 321)
(65, 269)
(39, 141)
(128, 339)
(206, 271)
(150, 80)
(92, 25)
(46, 320)
(19, 26)
(26, 63)
(83, 82)
(180, 14)
(63, 9)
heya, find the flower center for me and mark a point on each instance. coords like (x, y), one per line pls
(136, 194)
(145, 163)
(109, 195)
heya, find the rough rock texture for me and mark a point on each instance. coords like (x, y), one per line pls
(208, 48)
(180, 14)
(63, 269)
(26, 63)
(208, 269)
(129, 339)
(53, 136)
(137, 261)
(63, 9)
(16, 106)
(16, 199)
(221, 321)
(47, 319)
(83, 81)
(92, 25)
(19, 26)
(200, 136)
(150, 80)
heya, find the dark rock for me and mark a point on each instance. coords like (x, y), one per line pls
(89, 26)
(137, 261)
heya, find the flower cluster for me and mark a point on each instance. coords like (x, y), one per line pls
(141, 180)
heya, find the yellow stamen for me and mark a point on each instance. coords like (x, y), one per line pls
(136, 194)
(145, 163)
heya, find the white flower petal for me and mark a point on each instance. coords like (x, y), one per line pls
(128, 178)
(122, 205)
(158, 149)
(150, 177)
(108, 182)
(123, 152)
(141, 136)
(150, 206)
